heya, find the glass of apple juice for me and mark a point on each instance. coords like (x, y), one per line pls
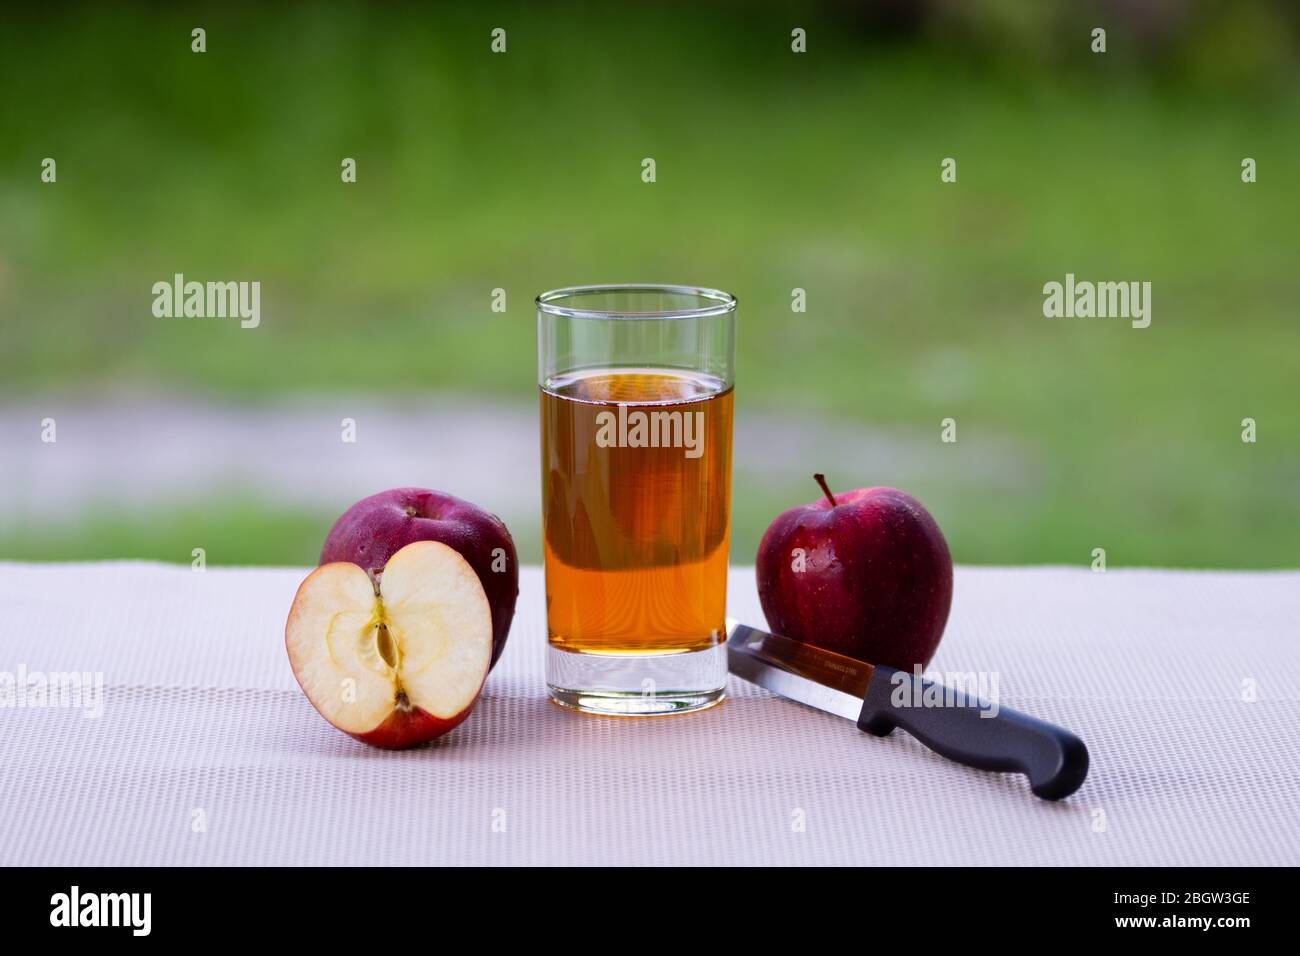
(636, 385)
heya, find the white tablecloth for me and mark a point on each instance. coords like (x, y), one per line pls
(1186, 687)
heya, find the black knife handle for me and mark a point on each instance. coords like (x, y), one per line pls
(1054, 760)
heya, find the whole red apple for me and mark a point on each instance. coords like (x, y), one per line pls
(865, 573)
(376, 528)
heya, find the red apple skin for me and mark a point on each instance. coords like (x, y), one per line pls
(407, 728)
(877, 578)
(376, 528)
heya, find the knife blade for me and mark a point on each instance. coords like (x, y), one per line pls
(879, 698)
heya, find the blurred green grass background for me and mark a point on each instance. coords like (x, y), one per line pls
(774, 171)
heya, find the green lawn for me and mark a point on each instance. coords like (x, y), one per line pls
(775, 171)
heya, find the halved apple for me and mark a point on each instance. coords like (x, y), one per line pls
(396, 659)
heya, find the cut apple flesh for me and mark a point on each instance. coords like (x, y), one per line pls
(396, 659)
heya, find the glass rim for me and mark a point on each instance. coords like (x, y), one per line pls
(722, 303)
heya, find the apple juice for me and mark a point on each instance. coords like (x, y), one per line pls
(636, 486)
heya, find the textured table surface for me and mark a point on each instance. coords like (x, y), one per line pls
(1186, 687)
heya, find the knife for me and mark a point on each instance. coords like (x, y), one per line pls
(878, 698)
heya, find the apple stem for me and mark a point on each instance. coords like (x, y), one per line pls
(821, 480)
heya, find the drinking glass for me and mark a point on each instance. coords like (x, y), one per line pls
(636, 387)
